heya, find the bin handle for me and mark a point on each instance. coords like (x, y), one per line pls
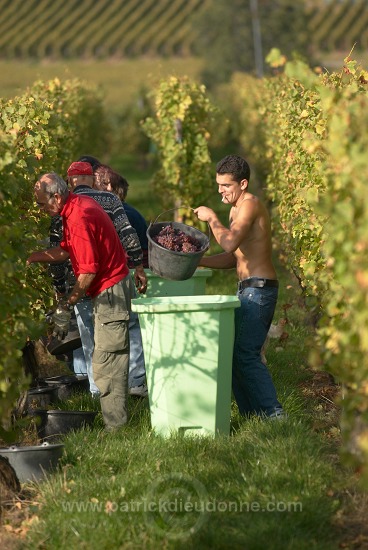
(179, 208)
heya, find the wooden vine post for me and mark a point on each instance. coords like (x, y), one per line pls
(179, 130)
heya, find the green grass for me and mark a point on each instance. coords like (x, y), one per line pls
(119, 80)
(267, 482)
(267, 485)
(78, 401)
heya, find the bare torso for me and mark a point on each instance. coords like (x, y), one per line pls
(247, 242)
(254, 254)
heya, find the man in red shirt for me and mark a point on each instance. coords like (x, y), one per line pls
(100, 266)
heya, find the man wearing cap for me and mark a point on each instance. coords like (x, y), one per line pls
(80, 177)
(100, 265)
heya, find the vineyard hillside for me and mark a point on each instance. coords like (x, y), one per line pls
(130, 28)
(96, 28)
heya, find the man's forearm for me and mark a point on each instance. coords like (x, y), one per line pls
(225, 260)
(222, 235)
(83, 283)
(55, 254)
(130, 242)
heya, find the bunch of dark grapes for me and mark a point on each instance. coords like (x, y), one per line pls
(174, 239)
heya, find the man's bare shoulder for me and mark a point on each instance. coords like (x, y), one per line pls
(248, 208)
(250, 200)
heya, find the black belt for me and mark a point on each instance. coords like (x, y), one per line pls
(257, 282)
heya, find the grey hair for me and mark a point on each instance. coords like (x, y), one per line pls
(53, 184)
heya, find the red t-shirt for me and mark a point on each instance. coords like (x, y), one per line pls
(93, 243)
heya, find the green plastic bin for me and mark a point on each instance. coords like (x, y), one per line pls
(188, 346)
(158, 286)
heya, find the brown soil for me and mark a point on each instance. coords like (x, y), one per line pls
(17, 517)
(15, 510)
(43, 364)
(351, 519)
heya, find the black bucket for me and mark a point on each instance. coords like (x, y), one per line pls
(67, 385)
(32, 463)
(54, 424)
(39, 398)
(169, 264)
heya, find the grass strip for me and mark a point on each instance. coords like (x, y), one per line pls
(270, 484)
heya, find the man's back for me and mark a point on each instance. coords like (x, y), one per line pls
(92, 242)
(114, 208)
(109, 202)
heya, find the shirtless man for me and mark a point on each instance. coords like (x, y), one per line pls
(247, 247)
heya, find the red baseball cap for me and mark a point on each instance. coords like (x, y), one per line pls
(80, 169)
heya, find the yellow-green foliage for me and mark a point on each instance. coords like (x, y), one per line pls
(246, 99)
(179, 129)
(317, 143)
(41, 131)
(293, 114)
(343, 330)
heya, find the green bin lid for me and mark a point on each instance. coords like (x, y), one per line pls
(166, 304)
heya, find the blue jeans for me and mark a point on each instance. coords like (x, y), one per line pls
(79, 362)
(252, 384)
(137, 371)
(84, 314)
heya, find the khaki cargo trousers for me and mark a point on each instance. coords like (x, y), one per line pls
(110, 360)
